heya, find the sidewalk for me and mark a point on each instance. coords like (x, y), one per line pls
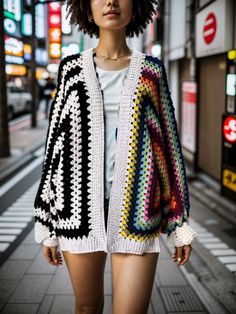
(23, 142)
(28, 284)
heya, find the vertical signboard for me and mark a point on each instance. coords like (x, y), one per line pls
(214, 28)
(189, 115)
(54, 26)
(12, 9)
(228, 171)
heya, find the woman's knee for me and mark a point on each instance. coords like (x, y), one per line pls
(133, 278)
(86, 308)
(87, 277)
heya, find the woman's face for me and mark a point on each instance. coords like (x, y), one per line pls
(120, 18)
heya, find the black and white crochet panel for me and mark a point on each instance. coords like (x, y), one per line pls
(62, 204)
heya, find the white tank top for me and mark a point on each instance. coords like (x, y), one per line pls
(111, 83)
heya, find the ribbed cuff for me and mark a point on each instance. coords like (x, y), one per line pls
(51, 242)
(42, 234)
(181, 236)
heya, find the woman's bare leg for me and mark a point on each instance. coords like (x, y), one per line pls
(87, 276)
(132, 282)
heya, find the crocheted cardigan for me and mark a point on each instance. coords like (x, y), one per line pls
(149, 193)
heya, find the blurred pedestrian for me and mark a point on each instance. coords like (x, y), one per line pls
(113, 177)
(47, 92)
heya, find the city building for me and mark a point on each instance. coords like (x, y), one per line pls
(199, 52)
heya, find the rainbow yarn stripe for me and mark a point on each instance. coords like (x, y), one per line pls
(156, 195)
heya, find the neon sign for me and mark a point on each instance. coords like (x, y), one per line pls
(54, 32)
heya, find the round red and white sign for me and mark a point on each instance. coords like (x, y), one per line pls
(229, 129)
(209, 28)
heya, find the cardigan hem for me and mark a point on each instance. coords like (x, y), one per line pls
(125, 245)
(89, 245)
(84, 245)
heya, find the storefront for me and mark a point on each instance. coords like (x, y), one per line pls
(214, 38)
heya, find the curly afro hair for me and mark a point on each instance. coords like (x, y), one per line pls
(79, 11)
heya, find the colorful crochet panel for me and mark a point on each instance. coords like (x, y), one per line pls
(151, 198)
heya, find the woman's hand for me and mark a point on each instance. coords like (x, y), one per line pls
(52, 255)
(182, 254)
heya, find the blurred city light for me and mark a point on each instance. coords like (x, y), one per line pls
(232, 54)
(156, 50)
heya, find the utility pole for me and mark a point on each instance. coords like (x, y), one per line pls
(4, 132)
(34, 87)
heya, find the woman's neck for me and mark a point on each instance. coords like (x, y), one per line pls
(112, 44)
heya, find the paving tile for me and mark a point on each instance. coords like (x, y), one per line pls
(188, 312)
(108, 263)
(63, 304)
(13, 224)
(227, 259)
(223, 252)
(150, 309)
(231, 267)
(41, 266)
(7, 287)
(31, 289)
(157, 279)
(20, 309)
(204, 240)
(220, 245)
(156, 301)
(25, 251)
(205, 234)
(17, 214)
(7, 237)
(169, 274)
(107, 304)
(14, 269)
(164, 252)
(29, 239)
(61, 282)
(16, 208)
(46, 304)
(15, 219)
(10, 231)
(107, 284)
(4, 246)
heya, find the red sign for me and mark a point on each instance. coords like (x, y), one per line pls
(54, 20)
(209, 28)
(54, 7)
(229, 129)
(54, 31)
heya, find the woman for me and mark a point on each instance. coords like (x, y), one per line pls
(113, 177)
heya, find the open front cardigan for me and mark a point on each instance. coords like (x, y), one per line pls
(149, 193)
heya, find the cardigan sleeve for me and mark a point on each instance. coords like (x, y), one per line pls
(45, 219)
(175, 221)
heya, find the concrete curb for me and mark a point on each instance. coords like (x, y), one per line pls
(215, 202)
(18, 162)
